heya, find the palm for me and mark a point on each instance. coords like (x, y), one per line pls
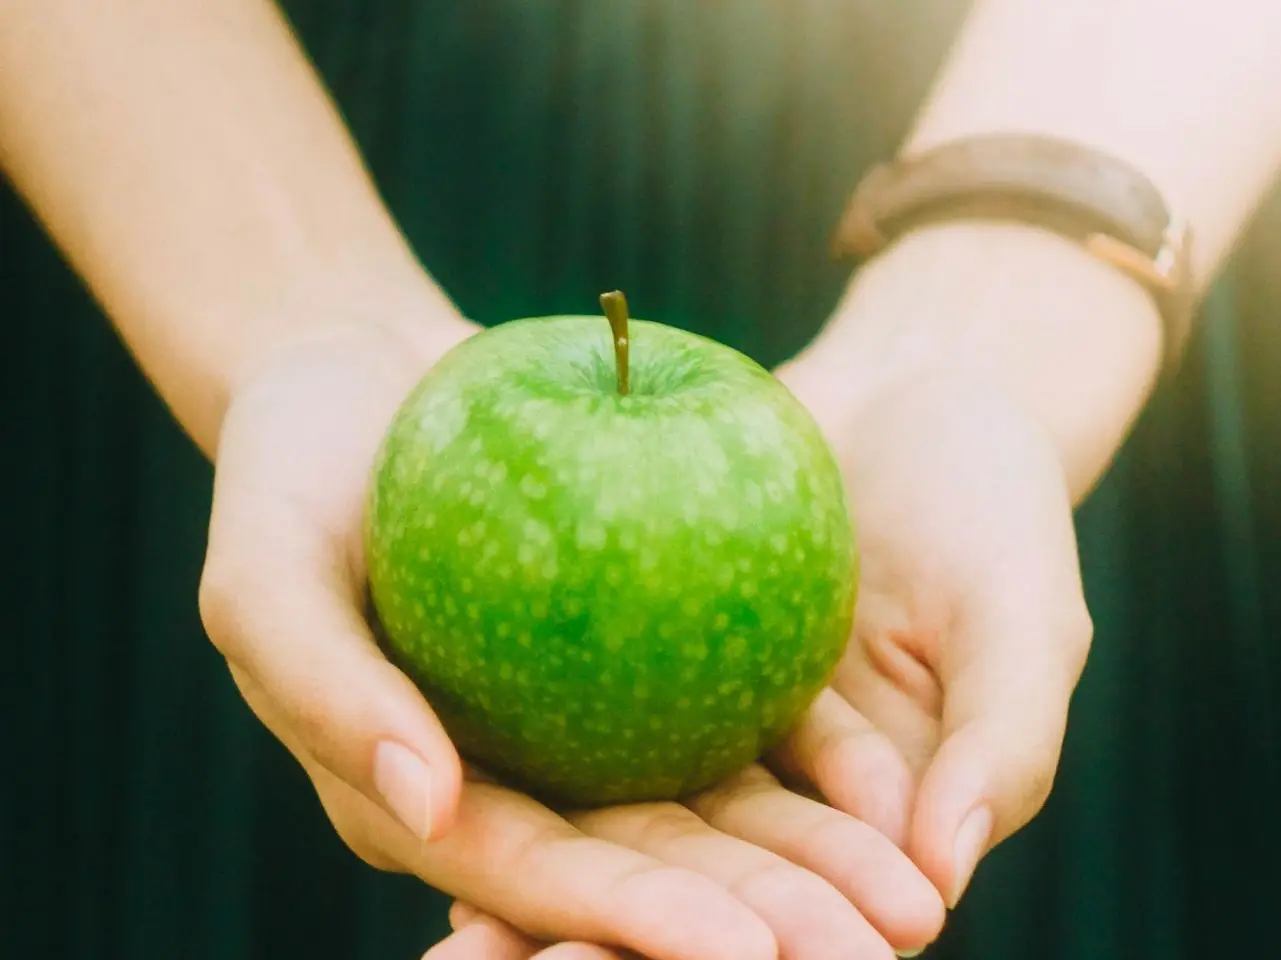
(969, 580)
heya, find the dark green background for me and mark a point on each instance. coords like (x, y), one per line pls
(694, 153)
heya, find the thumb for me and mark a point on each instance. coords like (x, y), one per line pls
(1006, 695)
(278, 602)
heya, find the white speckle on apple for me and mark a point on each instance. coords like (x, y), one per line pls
(466, 584)
(590, 536)
(691, 607)
(778, 543)
(747, 589)
(721, 621)
(696, 651)
(531, 488)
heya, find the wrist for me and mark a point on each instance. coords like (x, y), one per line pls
(398, 315)
(1074, 342)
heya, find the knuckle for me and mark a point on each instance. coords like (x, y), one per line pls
(720, 802)
(1077, 637)
(355, 834)
(663, 823)
(779, 883)
(1038, 784)
(219, 613)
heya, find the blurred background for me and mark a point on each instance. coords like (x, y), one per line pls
(695, 153)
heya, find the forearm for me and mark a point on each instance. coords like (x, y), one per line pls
(187, 162)
(1188, 93)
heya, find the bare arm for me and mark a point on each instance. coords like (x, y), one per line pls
(1190, 93)
(186, 160)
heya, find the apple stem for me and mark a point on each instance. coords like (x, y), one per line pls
(615, 306)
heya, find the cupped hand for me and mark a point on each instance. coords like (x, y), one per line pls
(948, 712)
(736, 874)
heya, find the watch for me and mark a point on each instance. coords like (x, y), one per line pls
(1096, 200)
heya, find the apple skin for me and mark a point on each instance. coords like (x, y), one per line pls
(609, 598)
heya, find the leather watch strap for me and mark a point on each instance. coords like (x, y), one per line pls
(1099, 201)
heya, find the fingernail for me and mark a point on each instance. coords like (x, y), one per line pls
(404, 782)
(909, 954)
(971, 841)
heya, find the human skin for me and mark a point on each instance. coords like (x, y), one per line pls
(976, 380)
(186, 161)
(190, 168)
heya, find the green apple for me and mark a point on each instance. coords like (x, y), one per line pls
(619, 565)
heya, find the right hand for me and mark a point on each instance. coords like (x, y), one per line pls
(282, 599)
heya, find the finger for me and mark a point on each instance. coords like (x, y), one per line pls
(582, 951)
(857, 860)
(810, 919)
(515, 859)
(461, 914)
(884, 675)
(504, 942)
(853, 765)
(484, 939)
(508, 856)
(277, 602)
(1004, 719)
